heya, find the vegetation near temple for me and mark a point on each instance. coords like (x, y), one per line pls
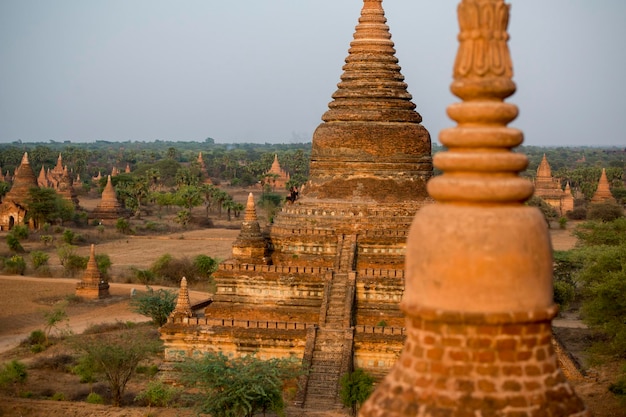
(241, 387)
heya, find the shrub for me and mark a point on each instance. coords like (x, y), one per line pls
(68, 236)
(356, 387)
(562, 222)
(104, 263)
(58, 396)
(151, 370)
(205, 265)
(39, 259)
(15, 265)
(46, 239)
(172, 270)
(57, 362)
(155, 304)
(94, 398)
(14, 243)
(564, 294)
(123, 226)
(12, 373)
(606, 211)
(579, 213)
(144, 276)
(20, 231)
(157, 394)
(36, 337)
(75, 264)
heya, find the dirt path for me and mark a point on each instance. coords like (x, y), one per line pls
(18, 320)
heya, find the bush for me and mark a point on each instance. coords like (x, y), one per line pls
(36, 337)
(39, 259)
(58, 396)
(13, 373)
(564, 294)
(14, 243)
(123, 226)
(75, 264)
(562, 222)
(606, 211)
(104, 263)
(68, 236)
(20, 231)
(15, 265)
(579, 213)
(157, 394)
(46, 239)
(94, 398)
(155, 304)
(205, 265)
(172, 270)
(356, 387)
(144, 276)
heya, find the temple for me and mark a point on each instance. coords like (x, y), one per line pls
(549, 189)
(59, 179)
(324, 282)
(603, 192)
(109, 207)
(276, 177)
(478, 299)
(13, 208)
(92, 286)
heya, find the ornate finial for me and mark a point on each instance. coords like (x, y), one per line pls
(479, 166)
(478, 298)
(25, 158)
(183, 303)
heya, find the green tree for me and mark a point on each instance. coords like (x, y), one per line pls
(240, 387)
(155, 304)
(356, 387)
(115, 357)
(46, 206)
(54, 318)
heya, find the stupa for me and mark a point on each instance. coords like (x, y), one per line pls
(549, 189)
(109, 207)
(328, 289)
(92, 285)
(276, 177)
(478, 298)
(13, 208)
(603, 192)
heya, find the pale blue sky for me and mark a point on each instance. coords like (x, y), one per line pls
(265, 70)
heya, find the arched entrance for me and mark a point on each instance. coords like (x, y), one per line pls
(11, 222)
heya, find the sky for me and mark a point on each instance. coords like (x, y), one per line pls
(264, 71)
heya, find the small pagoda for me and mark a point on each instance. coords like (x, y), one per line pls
(92, 286)
(109, 207)
(276, 177)
(603, 192)
(549, 189)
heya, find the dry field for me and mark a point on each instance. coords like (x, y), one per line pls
(23, 300)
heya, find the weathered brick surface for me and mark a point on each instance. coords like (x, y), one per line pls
(483, 368)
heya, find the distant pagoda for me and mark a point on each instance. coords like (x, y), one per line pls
(109, 207)
(93, 285)
(603, 192)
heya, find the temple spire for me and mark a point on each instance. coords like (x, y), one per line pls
(603, 192)
(183, 303)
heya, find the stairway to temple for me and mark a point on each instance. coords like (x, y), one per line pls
(332, 352)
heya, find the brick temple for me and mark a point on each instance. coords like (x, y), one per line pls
(549, 189)
(324, 282)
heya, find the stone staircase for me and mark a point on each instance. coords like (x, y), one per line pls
(332, 350)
